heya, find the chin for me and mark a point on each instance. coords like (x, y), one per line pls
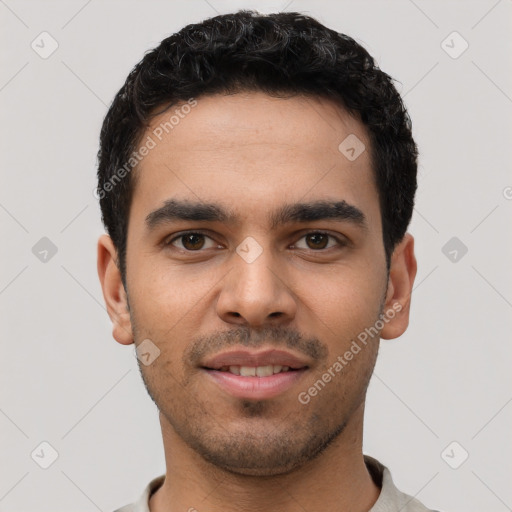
(240, 465)
(264, 453)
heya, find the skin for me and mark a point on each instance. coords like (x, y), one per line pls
(254, 153)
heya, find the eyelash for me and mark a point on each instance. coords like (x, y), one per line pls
(339, 242)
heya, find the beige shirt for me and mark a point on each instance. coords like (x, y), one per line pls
(390, 498)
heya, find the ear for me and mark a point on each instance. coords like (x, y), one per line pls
(402, 273)
(113, 291)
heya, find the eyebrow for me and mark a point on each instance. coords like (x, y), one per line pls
(174, 209)
(318, 210)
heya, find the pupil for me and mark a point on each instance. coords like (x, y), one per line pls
(193, 241)
(317, 238)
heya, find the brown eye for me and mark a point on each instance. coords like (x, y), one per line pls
(192, 241)
(317, 240)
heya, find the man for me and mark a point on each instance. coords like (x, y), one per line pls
(256, 178)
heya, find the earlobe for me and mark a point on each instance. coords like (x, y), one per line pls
(114, 293)
(401, 280)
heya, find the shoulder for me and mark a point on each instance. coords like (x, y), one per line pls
(142, 504)
(391, 499)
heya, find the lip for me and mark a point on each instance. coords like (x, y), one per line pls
(255, 388)
(262, 358)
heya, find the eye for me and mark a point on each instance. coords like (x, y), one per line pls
(318, 240)
(191, 241)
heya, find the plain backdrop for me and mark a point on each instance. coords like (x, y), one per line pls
(439, 409)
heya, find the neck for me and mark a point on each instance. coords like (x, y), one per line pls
(336, 480)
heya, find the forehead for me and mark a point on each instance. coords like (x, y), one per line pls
(223, 121)
(248, 149)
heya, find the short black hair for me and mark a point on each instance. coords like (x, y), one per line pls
(281, 54)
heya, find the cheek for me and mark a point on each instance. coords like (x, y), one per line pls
(343, 310)
(168, 306)
(163, 293)
(346, 301)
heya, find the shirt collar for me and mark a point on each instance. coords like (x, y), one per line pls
(389, 500)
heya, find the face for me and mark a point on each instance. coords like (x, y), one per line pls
(255, 245)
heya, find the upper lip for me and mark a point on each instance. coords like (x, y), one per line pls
(247, 358)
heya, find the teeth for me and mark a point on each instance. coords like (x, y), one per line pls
(264, 371)
(235, 370)
(255, 371)
(247, 371)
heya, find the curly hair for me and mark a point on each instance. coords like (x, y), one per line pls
(279, 54)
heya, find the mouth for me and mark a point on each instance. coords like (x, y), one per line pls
(256, 371)
(256, 376)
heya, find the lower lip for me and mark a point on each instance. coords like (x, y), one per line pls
(255, 388)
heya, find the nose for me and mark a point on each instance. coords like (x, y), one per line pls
(256, 293)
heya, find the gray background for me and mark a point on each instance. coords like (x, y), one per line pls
(64, 380)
